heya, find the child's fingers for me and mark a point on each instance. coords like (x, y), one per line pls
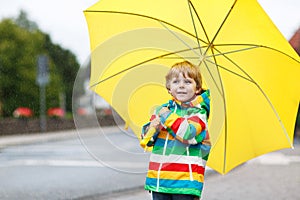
(163, 110)
(155, 122)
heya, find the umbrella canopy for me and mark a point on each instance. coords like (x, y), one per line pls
(251, 70)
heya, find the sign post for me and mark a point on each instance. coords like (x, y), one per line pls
(42, 80)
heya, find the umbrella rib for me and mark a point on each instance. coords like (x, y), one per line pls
(151, 59)
(138, 64)
(172, 32)
(224, 68)
(221, 90)
(252, 46)
(207, 38)
(225, 111)
(214, 80)
(194, 25)
(234, 51)
(146, 16)
(230, 52)
(263, 93)
(256, 46)
(222, 24)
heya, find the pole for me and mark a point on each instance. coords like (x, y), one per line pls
(43, 121)
(42, 79)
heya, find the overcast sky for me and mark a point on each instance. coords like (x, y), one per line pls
(64, 19)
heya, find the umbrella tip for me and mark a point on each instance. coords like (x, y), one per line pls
(126, 125)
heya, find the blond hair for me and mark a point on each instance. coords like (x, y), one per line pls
(186, 69)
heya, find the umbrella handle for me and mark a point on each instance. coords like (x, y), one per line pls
(147, 138)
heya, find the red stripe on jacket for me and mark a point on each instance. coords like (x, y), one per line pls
(176, 167)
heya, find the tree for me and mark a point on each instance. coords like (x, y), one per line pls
(23, 22)
(66, 65)
(17, 64)
(20, 44)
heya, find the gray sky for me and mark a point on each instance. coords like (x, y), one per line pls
(64, 19)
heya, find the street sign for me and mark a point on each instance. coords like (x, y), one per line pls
(42, 78)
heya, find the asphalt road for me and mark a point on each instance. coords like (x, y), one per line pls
(274, 176)
(91, 165)
(70, 167)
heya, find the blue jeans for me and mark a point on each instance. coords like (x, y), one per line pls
(166, 196)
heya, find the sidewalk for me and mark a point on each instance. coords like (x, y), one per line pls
(22, 139)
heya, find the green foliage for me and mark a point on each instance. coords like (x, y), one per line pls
(66, 65)
(21, 42)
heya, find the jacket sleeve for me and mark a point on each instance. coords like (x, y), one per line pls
(150, 141)
(189, 129)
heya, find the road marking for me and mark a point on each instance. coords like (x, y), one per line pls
(74, 163)
(275, 159)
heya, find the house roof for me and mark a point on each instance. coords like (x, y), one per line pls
(295, 41)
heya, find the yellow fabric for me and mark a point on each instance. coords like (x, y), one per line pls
(255, 88)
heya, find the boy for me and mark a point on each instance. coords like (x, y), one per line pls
(181, 141)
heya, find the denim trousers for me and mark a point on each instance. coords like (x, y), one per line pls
(166, 196)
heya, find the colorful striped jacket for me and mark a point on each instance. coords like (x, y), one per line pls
(180, 148)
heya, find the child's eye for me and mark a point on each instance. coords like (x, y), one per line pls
(175, 81)
(188, 81)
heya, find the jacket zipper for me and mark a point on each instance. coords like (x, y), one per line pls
(190, 165)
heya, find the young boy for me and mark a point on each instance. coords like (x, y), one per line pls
(181, 142)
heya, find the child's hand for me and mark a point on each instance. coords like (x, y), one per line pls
(163, 110)
(155, 122)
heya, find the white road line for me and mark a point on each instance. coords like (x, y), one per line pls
(275, 159)
(72, 163)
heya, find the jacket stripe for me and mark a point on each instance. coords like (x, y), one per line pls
(192, 191)
(176, 159)
(175, 183)
(176, 167)
(172, 175)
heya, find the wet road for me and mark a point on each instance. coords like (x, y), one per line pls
(110, 165)
(73, 168)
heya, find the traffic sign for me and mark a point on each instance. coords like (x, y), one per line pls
(42, 78)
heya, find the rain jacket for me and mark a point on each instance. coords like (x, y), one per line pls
(180, 148)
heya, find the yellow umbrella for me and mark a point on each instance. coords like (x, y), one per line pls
(251, 70)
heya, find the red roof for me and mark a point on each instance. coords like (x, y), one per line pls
(295, 41)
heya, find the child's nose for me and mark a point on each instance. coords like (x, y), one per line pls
(181, 84)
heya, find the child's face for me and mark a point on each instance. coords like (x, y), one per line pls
(183, 88)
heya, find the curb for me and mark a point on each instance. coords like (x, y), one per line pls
(33, 138)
